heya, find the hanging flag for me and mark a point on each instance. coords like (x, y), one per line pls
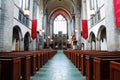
(85, 29)
(117, 12)
(34, 29)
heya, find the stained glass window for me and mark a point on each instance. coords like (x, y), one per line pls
(60, 24)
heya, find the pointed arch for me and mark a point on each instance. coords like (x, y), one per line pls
(92, 40)
(92, 37)
(61, 11)
(101, 37)
(101, 32)
(26, 41)
(16, 38)
(60, 24)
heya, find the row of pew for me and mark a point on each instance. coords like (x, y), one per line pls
(24, 64)
(96, 64)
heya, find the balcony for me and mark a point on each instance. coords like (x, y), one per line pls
(23, 19)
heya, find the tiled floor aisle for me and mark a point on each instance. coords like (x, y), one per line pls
(58, 68)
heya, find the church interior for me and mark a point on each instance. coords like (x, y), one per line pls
(59, 39)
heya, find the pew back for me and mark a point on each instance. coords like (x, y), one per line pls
(10, 67)
(101, 67)
(115, 70)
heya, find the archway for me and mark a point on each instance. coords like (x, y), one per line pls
(82, 46)
(26, 41)
(102, 38)
(60, 25)
(17, 36)
(92, 41)
(60, 29)
(60, 21)
(56, 13)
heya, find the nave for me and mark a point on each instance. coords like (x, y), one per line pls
(58, 68)
(54, 65)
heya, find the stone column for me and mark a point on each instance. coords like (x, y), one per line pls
(1, 25)
(69, 26)
(47, 28)
(84, 17)
(44, 23)
(113, 33)
(77, 26)
(51, 25)
(21, 44)
(6, 24)
(98, 45)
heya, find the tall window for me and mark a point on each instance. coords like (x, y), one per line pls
(60, 24)
(0, 3)
(72, 27)
(91, 4)
(24, 4)
(94, 4)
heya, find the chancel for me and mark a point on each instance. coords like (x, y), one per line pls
(59, 39)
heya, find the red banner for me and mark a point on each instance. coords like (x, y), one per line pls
(85, 29)
(34, 29)
(117, 12)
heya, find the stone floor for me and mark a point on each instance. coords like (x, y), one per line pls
(58, 68)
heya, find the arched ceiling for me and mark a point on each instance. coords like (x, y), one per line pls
(61, 11)
(69, 5)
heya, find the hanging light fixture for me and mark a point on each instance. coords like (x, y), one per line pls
(92, 12)
(48, 37)
(76, 30)
(26, 12)
(51, 40)
(43, 30)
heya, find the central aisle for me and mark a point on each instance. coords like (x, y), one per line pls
(58, 68)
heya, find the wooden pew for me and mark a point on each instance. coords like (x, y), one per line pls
(102, 67)
(89, 63)
(10, 68)
(77, 57)
(32, 60)
(43, 57)
(77, 60)
(38, 62)
(115, 70)
(0, 69)
(41, 60)
(25, 64)
(33, 64)
(83, 55)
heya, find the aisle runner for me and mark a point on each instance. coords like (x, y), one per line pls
(58, 68)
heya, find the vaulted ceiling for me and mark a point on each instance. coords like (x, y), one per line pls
(69, 5)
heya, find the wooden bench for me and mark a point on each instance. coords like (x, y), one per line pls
(10, 68)
(77, 57)
(25, 64)
(115, 70)
(33, 64)
(89, 63)
(102, 67)
(83, 63)
(41, 58)
(0, 69)
(32, 60)
(38, 62)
